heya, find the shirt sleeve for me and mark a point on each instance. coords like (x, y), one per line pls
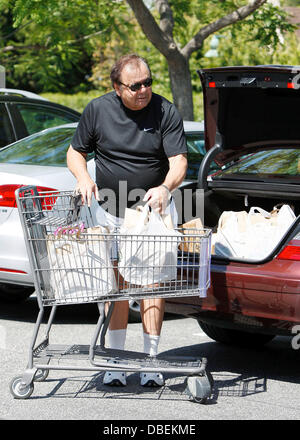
(174, 140)
(84, 136)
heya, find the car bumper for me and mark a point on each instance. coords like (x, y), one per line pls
(255, 297)
(14, 262)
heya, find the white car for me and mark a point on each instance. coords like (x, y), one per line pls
(40, 160)
(23, 93)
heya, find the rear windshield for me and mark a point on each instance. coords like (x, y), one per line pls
(196, 151)
(47, 148)
(280, 162)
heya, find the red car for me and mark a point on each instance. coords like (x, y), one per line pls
(252, 130)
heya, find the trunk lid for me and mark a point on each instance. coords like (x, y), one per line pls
(250, 108)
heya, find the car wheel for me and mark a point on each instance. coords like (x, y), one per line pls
(234, 337)
(134, 311)
(14, 292)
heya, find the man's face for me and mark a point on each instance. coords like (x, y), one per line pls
(132, 74)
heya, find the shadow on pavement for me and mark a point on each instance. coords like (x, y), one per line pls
(27, 311)
(237, 372)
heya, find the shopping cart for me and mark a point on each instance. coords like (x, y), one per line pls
(74, 261)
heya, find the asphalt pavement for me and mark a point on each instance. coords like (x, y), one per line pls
(249, 384)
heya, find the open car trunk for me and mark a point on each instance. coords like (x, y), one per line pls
(224, 198)
(248, 110)
(219, 200)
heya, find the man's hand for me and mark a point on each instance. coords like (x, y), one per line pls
(87, 187)
(157, 198)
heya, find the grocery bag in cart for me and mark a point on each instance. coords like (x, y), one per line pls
(81, 269)
(148, 250)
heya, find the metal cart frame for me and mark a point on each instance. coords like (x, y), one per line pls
(40, 214)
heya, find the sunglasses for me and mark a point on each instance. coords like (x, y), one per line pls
(137, 86)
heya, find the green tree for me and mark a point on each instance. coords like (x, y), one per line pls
(51, 45)
(172, 34)
(177, 29)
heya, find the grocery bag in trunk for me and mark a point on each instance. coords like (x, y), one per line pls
(251, 235)
(148, 249)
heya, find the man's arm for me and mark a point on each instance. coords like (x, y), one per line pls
(178, 167)
(77, 165)
(159, 195)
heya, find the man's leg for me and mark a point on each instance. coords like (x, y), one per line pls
(116, 336)
(119, 317)
(152, 313)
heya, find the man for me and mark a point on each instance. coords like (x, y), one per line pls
(138, 138)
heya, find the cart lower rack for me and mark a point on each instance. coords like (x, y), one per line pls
(76, 261)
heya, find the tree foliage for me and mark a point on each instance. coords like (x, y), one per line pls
(70, 45)
(209, 17)
(53, 40)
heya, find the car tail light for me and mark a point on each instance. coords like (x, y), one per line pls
(3, 269)
(291, 251)
(8, 200)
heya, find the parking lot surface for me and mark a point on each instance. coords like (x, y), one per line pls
(249, 384)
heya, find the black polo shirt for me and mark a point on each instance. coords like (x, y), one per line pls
(130, 146)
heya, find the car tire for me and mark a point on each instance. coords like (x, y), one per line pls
(234, 337)
(14, 293)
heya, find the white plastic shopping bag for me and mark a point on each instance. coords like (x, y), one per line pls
(251, 235)
(148, 250)
(80, 265)
(266, 230)
(230, 238)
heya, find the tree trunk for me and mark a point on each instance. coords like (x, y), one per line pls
(178, 60)
(181, 86)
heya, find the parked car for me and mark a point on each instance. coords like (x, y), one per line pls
(252, 131)
(40, 159)
(23, 113)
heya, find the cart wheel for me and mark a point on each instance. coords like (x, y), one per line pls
(18, 390)
(199, 388)
(41, 375)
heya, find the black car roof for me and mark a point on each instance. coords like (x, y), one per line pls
(20, 99)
